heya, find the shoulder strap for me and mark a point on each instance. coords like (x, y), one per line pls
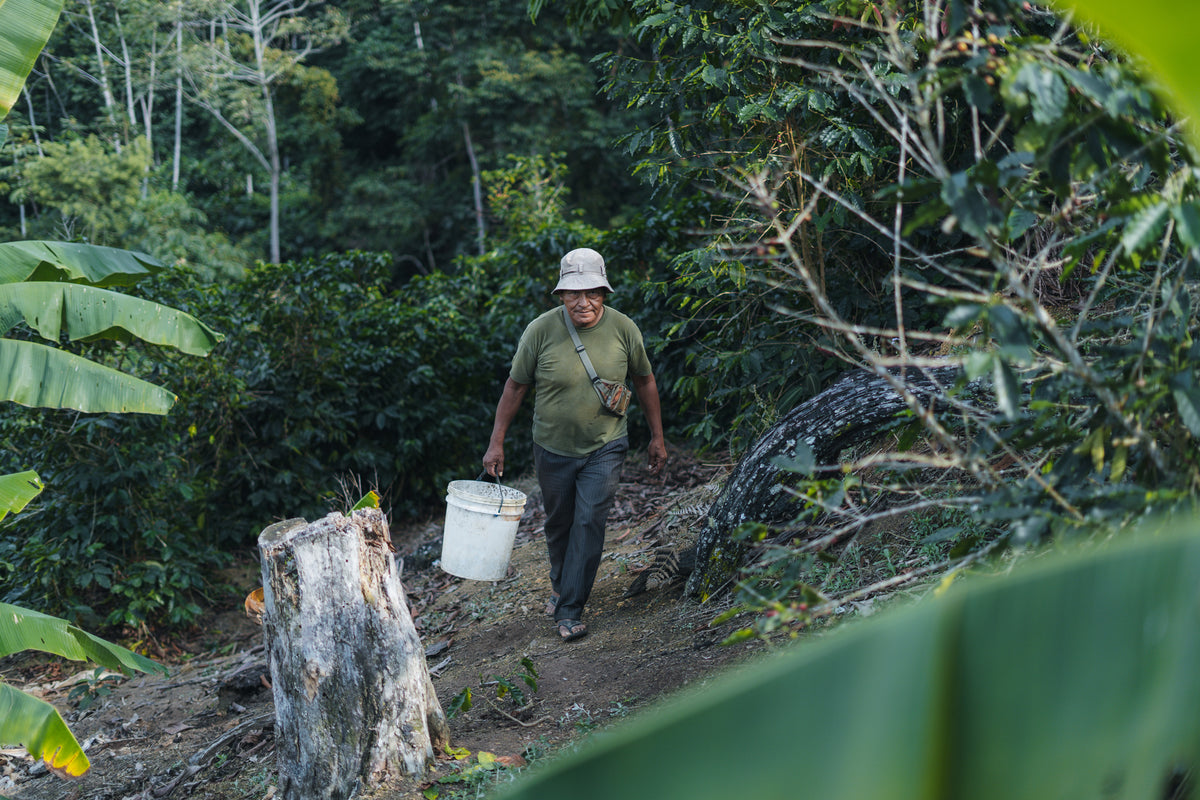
(583, 356)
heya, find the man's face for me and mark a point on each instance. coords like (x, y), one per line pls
(585, 308)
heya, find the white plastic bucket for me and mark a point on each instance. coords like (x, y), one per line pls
(481, 525)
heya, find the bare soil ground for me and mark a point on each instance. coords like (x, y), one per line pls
(206, 731)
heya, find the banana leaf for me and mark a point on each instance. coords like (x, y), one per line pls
(16, 490)
(38, 376)
(87, 313)
(1076, 678)
(25, 26)
(38, 727)
(72, 261)
(31, 722)
(22, 629)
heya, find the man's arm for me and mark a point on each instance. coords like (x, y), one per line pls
(647, 392)
(506, 410)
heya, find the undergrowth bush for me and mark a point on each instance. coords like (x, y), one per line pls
(328, 371)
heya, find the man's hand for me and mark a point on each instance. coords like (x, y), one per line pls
(657, 452)
(506, 409)
(647, 392)
(493, 460)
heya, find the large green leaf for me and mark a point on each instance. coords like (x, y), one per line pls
(22, 629)
(35, 725)
(1077, 678)
(85, 312)
(1163, 33)
(25, 26)
(72, 261)
(16, 490)
(38, 376)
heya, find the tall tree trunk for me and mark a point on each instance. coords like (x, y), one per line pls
(178, 152)
(275, 168)
(284, 30)
(102, 76)
(37, 141)
(146, 101)
(477, 189)
(37, 138)
(131, 99)
(847, 413)
(276, 173)
(429, 248)
(127, 64)
(354, 702)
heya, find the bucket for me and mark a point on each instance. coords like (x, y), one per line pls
(481, 525)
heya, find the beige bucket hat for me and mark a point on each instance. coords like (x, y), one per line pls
(580, 270)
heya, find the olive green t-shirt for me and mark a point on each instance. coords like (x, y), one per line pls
(567, 416)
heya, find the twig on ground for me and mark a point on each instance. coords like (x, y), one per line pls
(538, 721)
(201, 759)
(948, 566)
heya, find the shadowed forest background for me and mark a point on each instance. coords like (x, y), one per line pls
(370, 199)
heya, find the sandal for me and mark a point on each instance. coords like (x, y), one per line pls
(570, 629)
(551, 605)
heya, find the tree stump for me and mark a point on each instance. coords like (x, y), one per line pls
(354, 703)
(847, 413)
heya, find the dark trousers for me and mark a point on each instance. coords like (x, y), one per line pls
(578, 493)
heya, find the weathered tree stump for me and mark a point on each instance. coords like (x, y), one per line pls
(354, 703)
(849, 412)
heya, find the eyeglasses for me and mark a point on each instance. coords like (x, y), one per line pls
(590, 294)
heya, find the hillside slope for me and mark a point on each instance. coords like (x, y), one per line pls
(207, 730)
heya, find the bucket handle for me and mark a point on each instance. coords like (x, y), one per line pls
(483, 478)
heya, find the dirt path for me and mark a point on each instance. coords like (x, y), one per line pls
(207, 730)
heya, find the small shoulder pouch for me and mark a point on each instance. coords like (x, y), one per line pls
(613, 396)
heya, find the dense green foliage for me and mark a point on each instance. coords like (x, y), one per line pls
(380, 116)
(53, 297)
(59, 292)
(907, 186)
(890, 186)
(336, 373)
(340, 368)
(884, 187)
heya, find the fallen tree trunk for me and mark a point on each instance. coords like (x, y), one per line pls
(849, 412)
(354, 703)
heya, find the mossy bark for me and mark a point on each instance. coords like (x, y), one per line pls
(849, 412)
